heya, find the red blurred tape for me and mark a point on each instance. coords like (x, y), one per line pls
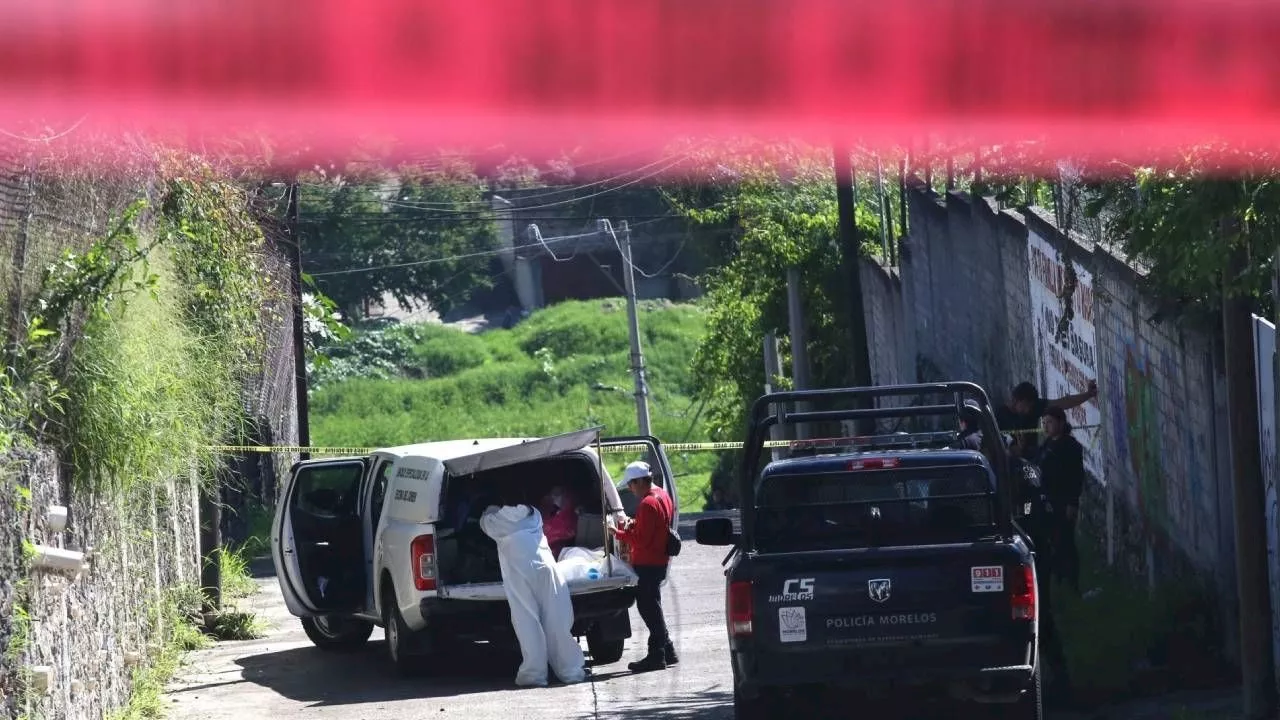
(538, 72)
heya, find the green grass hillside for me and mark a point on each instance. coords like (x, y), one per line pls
(563, 368)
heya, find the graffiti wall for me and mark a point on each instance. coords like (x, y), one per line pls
(1067, 351)
(1264, 344)
(1140, 425)
(1159, 500)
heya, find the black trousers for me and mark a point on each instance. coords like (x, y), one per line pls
(1066, 556)
(1050, 639)
(649, 604)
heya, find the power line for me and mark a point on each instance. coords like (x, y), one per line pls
(377, 218)
(549, 193)
(488, 212)
(431, 261)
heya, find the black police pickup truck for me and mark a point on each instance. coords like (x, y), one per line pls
(880, 563)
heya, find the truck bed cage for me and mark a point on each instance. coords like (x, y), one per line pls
(801, 407)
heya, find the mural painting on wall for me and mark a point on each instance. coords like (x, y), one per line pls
(1068, 359)
(1142, 435)
(1264, 344)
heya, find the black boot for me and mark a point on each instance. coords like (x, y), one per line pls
(669, 654)
(655, 660)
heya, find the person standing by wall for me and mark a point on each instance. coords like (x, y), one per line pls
(647, 538)
(1025, 409)
(1061, 462)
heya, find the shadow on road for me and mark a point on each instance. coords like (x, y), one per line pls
(310, 675)
(705, 705)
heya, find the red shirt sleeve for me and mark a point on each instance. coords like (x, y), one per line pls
(649, 526)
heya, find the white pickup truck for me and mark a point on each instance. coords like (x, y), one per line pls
(393, 539)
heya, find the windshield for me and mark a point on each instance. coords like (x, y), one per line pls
(852, 509)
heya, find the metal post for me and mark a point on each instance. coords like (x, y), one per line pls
(799, 343)
(299, 341)
(210, 540)
(772, 369)
(885, 215)
(633, 320)
(850, 251)
(1256, 654)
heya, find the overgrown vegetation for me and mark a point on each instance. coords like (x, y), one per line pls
(777, 204)
(129, 356)
(564, 368)
(1127, 640)
(1183, 222)
(170, 625)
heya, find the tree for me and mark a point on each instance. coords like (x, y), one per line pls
(1171, 220)
(775, 207)
(1208, 238)
(420, 232)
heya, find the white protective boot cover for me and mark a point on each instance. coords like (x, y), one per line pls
(541, 610)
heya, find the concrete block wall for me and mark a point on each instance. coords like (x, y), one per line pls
(88, 630)
(1163, 503)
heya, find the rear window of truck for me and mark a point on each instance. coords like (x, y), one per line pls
(858, 509)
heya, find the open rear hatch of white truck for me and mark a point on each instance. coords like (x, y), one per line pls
(469, 569)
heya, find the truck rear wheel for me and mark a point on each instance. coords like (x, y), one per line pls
(762, 707)
(604, 652)
(1028, 707)
(398, 643)
(337, 634)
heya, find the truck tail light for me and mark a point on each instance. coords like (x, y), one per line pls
(422, 553)
(740, 609)
(874, 464)
(1022, 600)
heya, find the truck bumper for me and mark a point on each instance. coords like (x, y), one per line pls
(951, 672)
(492, 618)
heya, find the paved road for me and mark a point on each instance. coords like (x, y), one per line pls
(283, 677)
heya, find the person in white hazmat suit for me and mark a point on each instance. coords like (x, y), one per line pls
(541, 610)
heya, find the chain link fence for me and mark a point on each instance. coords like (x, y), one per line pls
(49, 207)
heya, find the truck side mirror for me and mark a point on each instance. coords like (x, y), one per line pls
(715, 531)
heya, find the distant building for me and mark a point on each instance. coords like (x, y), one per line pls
(575, 262)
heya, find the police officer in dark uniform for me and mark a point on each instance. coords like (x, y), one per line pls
(1039, 522)
(1037, 519)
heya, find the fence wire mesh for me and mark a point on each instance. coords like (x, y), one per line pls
(48, 208)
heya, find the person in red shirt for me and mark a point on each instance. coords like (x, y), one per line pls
(647, 538)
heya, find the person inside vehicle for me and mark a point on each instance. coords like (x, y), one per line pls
(1026, 407)
(541, 608)
(1061, 462)
(559, 518)
(970, 428)
(717, 501)
(646, 535)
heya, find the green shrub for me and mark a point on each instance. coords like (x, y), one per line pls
(564, 368)
(440, 351)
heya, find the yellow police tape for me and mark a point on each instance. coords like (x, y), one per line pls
(608, 449)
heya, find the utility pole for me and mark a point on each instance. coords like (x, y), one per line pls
(772, 369)
(210, 540)
(633, 320)
(1256, 655)
(886, 215)
(850, 252)
(799, 343)
(902, 194)
(622, 238)
(299, 340)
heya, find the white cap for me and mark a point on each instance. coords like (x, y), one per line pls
(635, 471)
